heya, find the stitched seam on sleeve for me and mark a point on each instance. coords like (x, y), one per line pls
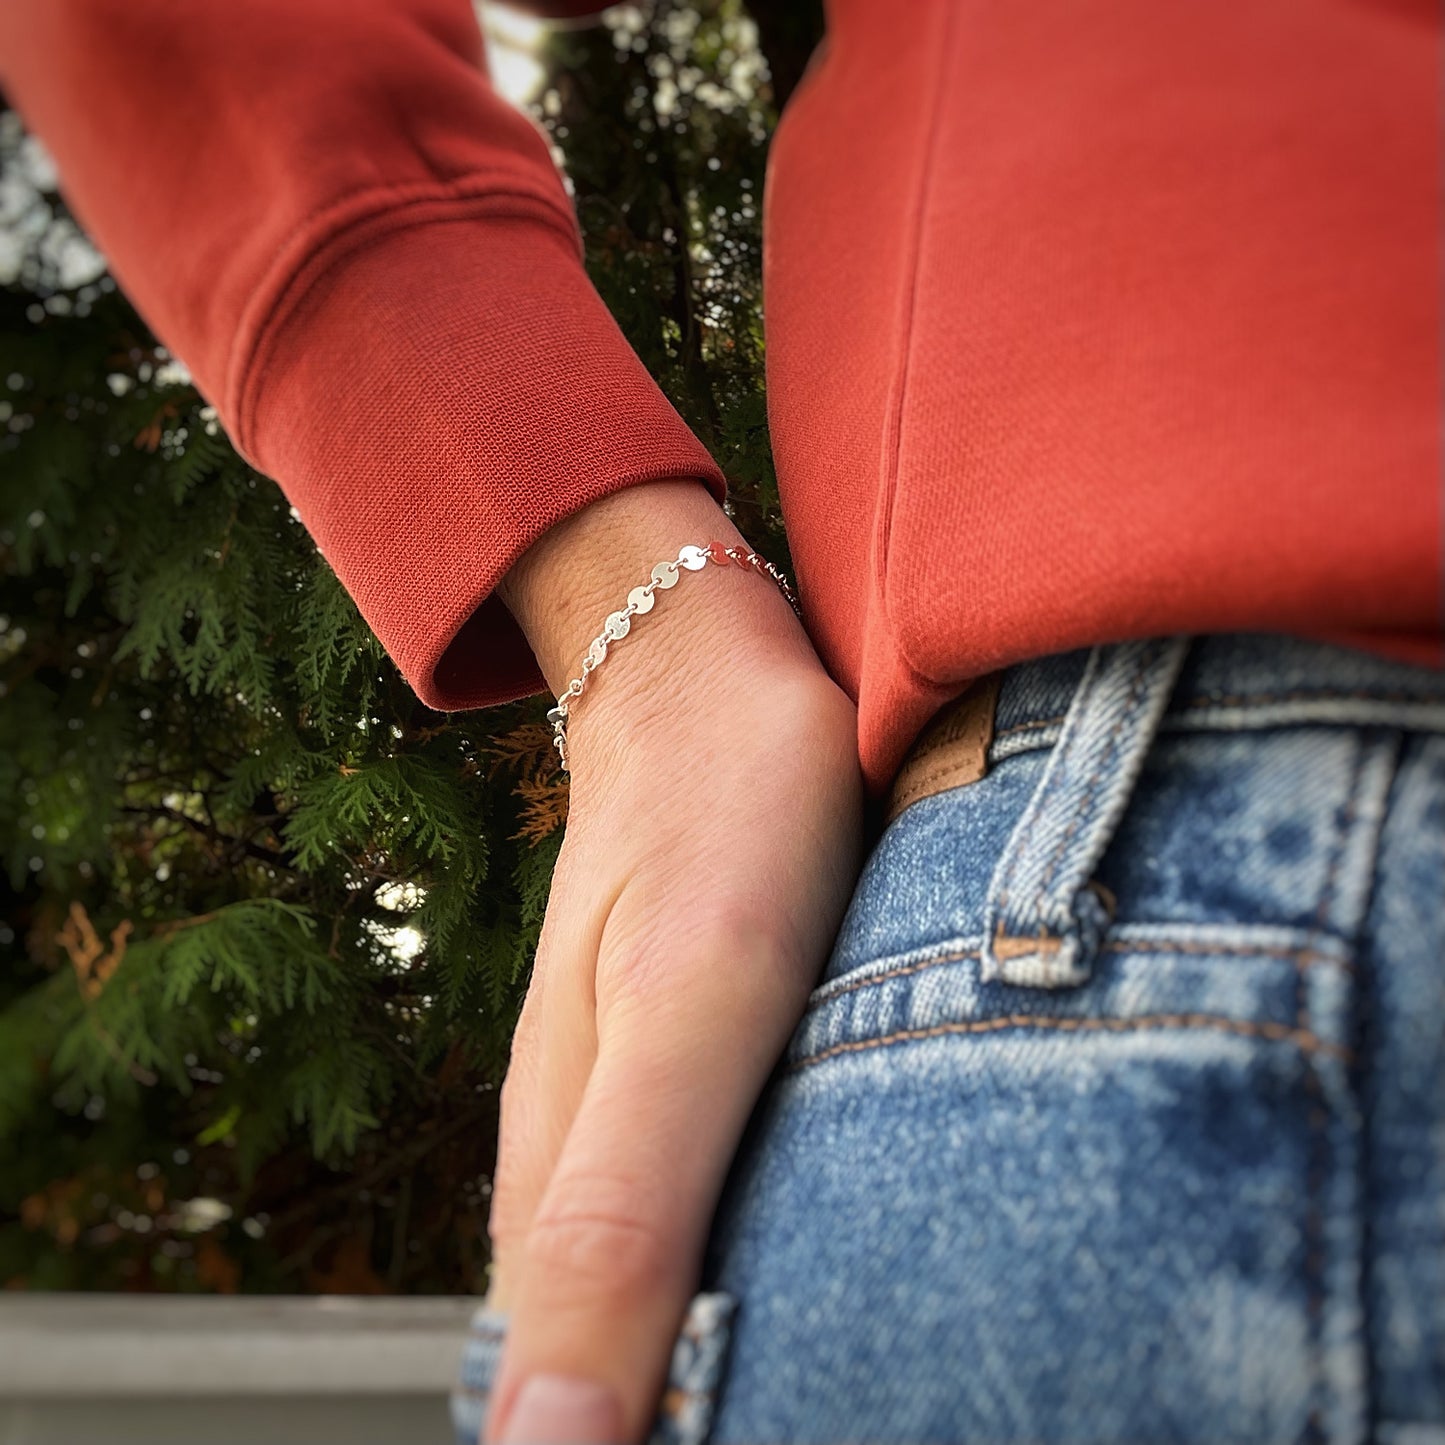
(365, 217)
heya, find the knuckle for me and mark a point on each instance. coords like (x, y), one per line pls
(599, 1254)
(506, 1218)
(752, 934)
(745, 941)
(503, 1232)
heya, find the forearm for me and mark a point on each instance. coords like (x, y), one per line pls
(374, 274)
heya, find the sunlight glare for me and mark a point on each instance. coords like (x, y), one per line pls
(512, 43)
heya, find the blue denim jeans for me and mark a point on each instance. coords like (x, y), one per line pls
(1118, 1113)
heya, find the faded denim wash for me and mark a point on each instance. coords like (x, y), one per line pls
(1118, 1114)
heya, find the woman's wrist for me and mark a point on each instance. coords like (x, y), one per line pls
(562, 589)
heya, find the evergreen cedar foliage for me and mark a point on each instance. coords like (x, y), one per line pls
(268, 920)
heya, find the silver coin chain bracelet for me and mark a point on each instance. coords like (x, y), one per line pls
(640, 601)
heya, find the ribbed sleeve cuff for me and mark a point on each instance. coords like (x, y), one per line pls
(441, 394)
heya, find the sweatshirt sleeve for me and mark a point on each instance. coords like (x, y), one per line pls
(369, 263)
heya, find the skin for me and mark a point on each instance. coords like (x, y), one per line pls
(714, 836)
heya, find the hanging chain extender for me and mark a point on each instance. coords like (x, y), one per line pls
(642, 600)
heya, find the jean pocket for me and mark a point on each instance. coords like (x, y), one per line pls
(1134, 1205)
(689, 1399)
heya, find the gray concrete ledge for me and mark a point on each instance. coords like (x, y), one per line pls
(74, 1347)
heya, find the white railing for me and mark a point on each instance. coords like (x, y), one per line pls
(147, 1370)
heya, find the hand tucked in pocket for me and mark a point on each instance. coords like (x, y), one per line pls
(713, 839)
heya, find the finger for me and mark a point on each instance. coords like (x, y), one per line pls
(611, 1259)
(553, 1049)
(552, 1054)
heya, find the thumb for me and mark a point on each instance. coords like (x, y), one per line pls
(612, 1257)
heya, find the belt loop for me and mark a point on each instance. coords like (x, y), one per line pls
(1044, 922)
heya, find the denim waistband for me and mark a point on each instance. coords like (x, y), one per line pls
(1234, 681)
(1101, 711)
(1090, 720)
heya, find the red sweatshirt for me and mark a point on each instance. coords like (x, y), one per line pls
(1087, 319)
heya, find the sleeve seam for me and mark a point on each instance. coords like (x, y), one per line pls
(349, 223)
